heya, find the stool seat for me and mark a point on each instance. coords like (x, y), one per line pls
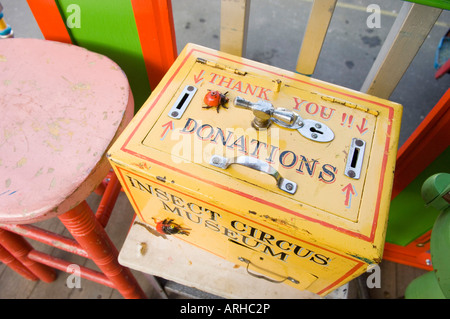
(61, 106)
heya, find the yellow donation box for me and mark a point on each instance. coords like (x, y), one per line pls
(283, 174)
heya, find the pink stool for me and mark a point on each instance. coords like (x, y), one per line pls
(61, 108)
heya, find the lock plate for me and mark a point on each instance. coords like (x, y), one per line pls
(265, 113)
(316, 131)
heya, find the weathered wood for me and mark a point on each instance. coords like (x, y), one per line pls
(316, 30)
(409, 31)
(234, 16)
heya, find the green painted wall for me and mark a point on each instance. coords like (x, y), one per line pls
(108, 27)
(409, 217)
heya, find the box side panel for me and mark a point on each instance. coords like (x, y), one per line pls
(265, 252)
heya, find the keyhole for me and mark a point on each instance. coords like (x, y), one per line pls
(314, 130)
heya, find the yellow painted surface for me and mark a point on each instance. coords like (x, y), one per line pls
(318, 238)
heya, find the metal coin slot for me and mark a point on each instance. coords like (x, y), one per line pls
(180, 105)
(355, 158)
(182, 102)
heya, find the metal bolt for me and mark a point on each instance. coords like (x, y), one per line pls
(289, 186)
(359, 143)
(351, 173)
(317, 125)
(174, 113)
(216, 160)
(314, 135)
(190, 88)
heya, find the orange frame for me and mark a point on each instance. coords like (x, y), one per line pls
(426, 143)
(154, 22)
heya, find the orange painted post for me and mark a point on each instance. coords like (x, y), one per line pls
(47, 237)
(87, 231)
(64, 265)
(13, 263)
(109, 199)
(423, 146)
(19, 248)
(48, 18)
(154, 22)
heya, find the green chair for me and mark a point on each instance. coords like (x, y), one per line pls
(436, 284)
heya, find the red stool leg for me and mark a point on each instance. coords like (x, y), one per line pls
(86, 230)
(17, 246)
(13, 263)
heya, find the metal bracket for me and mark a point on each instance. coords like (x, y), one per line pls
(248, 262)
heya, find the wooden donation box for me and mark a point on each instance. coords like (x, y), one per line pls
(280, 173)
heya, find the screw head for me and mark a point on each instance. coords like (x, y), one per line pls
(289, 186)
(351, 173)
(174, 113)
(215, 160)
(314, 135)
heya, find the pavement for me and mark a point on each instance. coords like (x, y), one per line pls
(274, 37)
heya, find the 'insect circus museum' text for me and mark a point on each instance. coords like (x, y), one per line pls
(236, 231)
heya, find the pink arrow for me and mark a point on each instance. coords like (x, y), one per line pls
(349, 190)
(198, 78)
(362, 129)
(168, 126)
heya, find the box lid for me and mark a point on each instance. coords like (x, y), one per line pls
(329, 180)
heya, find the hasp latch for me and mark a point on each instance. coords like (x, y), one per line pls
(266, 114)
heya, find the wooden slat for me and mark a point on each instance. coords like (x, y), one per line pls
(234, 16)
(316, 30)
(404, 40)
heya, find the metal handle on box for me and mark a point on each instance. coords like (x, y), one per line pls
(248, 262)
(256, 164)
